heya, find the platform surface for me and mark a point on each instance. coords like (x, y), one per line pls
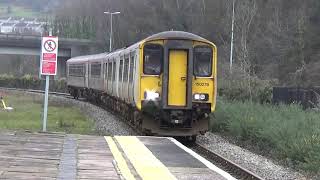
(61, 156)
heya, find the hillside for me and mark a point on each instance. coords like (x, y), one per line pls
(26, 8)
(274, 39)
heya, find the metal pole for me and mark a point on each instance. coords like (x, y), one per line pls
(45, 109)
(46, 96)
(110, 49)
(232, 30)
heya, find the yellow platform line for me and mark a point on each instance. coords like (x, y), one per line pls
(142, 159)
(121, 162)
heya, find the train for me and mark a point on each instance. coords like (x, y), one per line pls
(165, 84)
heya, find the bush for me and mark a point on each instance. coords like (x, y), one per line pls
(259, 90)
(32, 82)
(290, 132)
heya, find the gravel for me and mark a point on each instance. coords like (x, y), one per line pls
(257, 164)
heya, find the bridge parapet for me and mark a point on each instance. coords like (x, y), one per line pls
(13, 44)
(31, 45)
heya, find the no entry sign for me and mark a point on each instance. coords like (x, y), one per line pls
(49, 54)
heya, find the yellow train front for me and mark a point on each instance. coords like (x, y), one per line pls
(163, 85)
(178, 83)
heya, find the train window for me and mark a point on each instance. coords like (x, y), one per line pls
(153, 58)
(96, 70)
(110, 71)
(202, 61)
(131, 69)
(76, 70)
(120, 70)
(114, 71)
(125, 71)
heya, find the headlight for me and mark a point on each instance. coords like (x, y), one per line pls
(201, 97)
(151, 95)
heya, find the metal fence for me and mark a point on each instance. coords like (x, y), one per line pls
(307, 97)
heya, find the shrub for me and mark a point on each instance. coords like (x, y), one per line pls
(253, 89)
(289, 132)
(31, 82)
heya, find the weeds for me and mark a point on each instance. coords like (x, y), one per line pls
(32, 82)
(288, 132)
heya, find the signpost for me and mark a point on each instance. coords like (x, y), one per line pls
(48, 67)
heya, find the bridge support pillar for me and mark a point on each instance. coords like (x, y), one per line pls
(62, 68)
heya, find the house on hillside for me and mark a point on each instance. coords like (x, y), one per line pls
(7, 27)
(23, 26)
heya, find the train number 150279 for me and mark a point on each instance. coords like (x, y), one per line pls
(202, 84)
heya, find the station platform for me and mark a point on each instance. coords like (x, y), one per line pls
(68, 156)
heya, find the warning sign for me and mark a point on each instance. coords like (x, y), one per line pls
(50, 45)
(49, 54)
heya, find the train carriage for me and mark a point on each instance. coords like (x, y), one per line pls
(163, 85)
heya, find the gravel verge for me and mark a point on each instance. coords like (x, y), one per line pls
(105, 122)
(257, 164)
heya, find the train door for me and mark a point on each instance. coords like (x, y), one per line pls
(131, 74)
(105, 76)
(116, 76)
(120, 77)
(177, 87)
(113, 85)
(86, 76)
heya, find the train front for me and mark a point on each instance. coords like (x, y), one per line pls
(178, 83)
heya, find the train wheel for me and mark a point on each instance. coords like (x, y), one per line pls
(137, 119)
(192, 139)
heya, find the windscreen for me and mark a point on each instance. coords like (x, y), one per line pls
(202, 61)
(153, 58)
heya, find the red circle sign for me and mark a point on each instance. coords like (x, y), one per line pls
(50, 45)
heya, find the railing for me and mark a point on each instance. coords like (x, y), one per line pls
(307, 97)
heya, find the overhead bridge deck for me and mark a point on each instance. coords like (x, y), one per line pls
(60, 156)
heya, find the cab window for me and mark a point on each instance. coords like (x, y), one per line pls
(202, 61)
(152, 60)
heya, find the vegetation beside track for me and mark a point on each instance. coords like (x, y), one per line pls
(32, 82)
(27, 116)
(285, 132)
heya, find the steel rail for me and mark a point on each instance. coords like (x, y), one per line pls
(225, 164)
(35, 91)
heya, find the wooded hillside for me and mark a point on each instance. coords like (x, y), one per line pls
(274, 39)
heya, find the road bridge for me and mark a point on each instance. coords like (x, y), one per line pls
(31, 45)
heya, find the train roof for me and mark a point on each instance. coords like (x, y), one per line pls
(180, 35)
(87, 57)
(175, 35)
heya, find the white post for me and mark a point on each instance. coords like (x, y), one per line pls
(45, 109)
(110, 49)
(46, 97)
(232, 29)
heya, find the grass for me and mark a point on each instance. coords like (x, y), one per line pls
(285, 132)
(27, 116)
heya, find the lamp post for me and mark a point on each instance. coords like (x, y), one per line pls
(111, 13)
(231, 44)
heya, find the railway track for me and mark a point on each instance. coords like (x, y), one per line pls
(235, 170)
(37, 91)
